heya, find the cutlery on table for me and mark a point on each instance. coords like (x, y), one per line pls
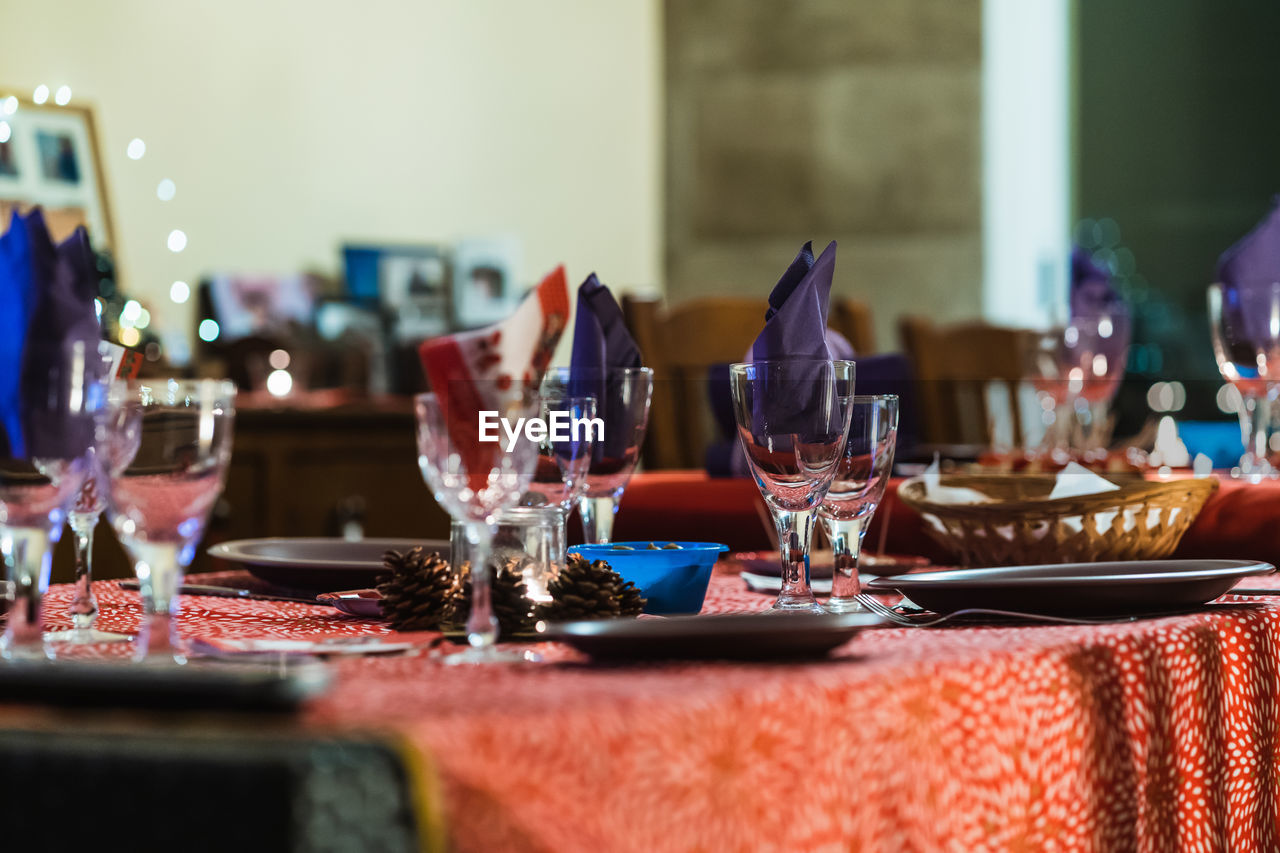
(228, 592)
(919, 618)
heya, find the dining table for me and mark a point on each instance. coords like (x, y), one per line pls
(1155, 734)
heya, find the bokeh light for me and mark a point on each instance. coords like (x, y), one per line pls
(279, 383)
(41, 94)
(209, 330)
(279, 359)
(130, 337)
(62, 97)
(11, 105)
(177, 240)
(179, 292)
(166, 190)
(136, 149)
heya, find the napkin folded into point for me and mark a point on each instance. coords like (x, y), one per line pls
(602, 344)
(48, 330)
(1075, 481)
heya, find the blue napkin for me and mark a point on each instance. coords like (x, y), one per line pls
(1092, 294)
(602, 343)
(46, 310)
(1249, 273)
(1255, 258)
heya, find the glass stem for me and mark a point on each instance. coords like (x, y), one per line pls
(159, 576)
(1255, 426)
(84, 605)
(846, 544)
(28, 556)
(597, 518)
(795, 529)
(482, 625)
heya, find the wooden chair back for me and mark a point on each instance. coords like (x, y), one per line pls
(682, 342)
(956, 367)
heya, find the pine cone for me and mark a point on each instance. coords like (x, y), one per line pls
(507, 595)
(585, 590)
(419, 592)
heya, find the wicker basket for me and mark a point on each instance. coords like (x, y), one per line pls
(1021, 526)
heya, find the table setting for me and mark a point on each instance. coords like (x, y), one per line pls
(1056, 672)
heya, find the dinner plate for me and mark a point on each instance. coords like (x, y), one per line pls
(735, 636)
(1076, 589)
(317, 564)
(365, 603)
(768, 563)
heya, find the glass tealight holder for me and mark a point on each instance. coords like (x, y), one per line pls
(529, 539)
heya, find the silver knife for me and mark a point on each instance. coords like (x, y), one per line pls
(227, 592)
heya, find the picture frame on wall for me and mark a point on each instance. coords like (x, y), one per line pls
(409, 283)
(487, 279)
(50, 157)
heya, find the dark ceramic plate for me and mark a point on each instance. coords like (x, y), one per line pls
(317, 564)
(737, 636)
(1076, 589)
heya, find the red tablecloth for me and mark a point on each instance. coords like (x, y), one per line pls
(1157, 735)
(1238, 522)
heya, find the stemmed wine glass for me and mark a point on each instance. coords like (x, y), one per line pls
(856, 491)
(161, 493)
(1246, 342)
(475, 481)
(622, 402)
(1094, 351)
(793, 418)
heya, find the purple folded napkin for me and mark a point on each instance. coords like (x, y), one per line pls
(1249, 273)
(49, 332)
(602, 344)
(795, 326)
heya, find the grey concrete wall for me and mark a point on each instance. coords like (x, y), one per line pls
(853, 120)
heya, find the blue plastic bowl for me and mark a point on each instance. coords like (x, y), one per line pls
(673, 581)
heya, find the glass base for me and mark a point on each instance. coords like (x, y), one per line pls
(85, 636)
(490, 655)
(843, 605)
(797, 606)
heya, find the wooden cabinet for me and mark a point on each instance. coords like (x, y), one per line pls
(307, 472)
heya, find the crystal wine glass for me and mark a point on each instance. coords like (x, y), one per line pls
(856, 491)
(1246, 343)
(793, 418)
(42, 448)
(160, 497)
(110, 450)
(475, 481)
(622, 402)
(1094, 352)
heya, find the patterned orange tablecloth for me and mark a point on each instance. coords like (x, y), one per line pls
(1156, 735)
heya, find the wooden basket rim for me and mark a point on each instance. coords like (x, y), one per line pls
(1199, 487)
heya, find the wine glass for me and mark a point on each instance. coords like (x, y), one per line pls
(856, 491)
(793, 418)
(622, 403)
(42, 448)
(1092, 360)
(162, 491)
(475, 481)
(1246, 342)
(1045, 368)
(110, 450)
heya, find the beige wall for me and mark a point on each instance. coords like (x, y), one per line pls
(291, 126)
(853, 120)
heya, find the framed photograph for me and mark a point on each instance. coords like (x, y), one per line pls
(410, 283)
(246, 305)
(49, 157)
(486, 280)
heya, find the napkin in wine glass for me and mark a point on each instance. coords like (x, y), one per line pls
(602, 344)
(495, 368)
(1249, 273)
(795, 327)
(47, 324)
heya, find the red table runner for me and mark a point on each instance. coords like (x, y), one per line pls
(1156, 735)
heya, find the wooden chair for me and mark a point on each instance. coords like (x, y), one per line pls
(682, 342)
(956, 369)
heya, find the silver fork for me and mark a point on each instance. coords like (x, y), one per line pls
(925, 619)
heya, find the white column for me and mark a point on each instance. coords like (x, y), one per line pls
(1026, 166)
